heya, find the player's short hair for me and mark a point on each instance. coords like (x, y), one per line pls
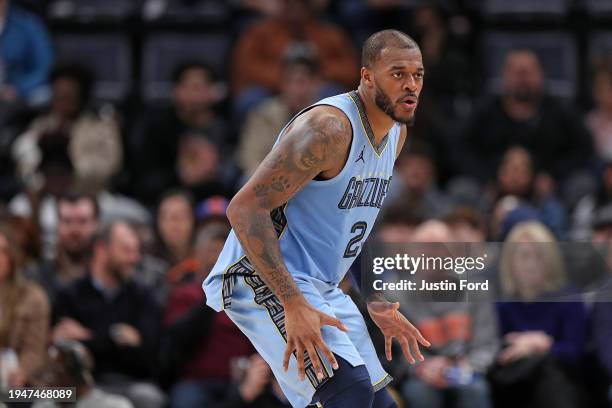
(377, 42)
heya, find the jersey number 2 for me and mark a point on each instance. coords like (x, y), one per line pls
(352, 248)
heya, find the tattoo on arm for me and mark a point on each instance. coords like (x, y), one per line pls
(310, 146)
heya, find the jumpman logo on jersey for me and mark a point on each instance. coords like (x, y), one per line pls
(361, 156)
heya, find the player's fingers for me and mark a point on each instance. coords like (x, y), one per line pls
(288, 350)
(414, 332)
(327, 352)
(300, 361)
(414, 345)
(388, 347)
(406, 349)
(315, 361)
(332, 321)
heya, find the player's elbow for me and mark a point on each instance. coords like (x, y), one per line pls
(236, 210)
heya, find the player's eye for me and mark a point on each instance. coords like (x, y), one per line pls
(397, 75)
(419, 75)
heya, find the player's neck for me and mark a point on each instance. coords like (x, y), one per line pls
(379, 121)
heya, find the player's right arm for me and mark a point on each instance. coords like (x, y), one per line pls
(315, 144)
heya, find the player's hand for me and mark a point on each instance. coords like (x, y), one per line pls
(392, 324)
(303, 325)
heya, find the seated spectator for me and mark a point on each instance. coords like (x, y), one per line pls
(399, 221)
(208, 212)
(524, 115)
(586, 209)
(71, 365)
(78, 219)
(175, 227)
(516, 177)
(117, 319)
(258, 55)
(599, 119)
(543, 340)
(24, 320)
(157, 138)
(202, 342)
(91, 140)
(463, 337)
(415, 180)
(466, 225)
(26, 54)
(300, 78)
(257, 388)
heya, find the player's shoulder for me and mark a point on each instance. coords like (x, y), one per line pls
(329, 122)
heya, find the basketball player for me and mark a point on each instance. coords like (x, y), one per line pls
(298, 225)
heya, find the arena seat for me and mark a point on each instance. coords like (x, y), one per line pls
(107, 55)
(525, 9)
(600, 44)
(92, 10)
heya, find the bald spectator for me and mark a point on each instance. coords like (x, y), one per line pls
(463, 336)
(114, 317)
(525, 115)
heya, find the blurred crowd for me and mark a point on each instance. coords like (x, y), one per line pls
(112, 212)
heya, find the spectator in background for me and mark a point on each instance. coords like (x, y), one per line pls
(599, 120)
(202, 343)
(78, 221)
(175, 227)
(463, 336)
(466, 225)
(524, 115)
(300, 79)
(415, 180)
(588, 206)
(257, 388)
(516, 177)
(91, 140)
(543, 340)
(158, 137)
(117, 319)
(71, 365)
(399, 221)
(258, 55)
(24, 320)
(26, 55)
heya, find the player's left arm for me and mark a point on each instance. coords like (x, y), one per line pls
(386, 315)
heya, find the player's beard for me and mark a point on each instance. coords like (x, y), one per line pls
(383, 101)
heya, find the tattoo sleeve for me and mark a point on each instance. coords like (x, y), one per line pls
(313, 143)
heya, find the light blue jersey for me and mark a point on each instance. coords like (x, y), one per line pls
(321, 230)
(323, 227)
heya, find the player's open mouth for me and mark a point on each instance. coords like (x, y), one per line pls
(409, 102)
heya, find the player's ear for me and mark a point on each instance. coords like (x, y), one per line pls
(366, 76)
